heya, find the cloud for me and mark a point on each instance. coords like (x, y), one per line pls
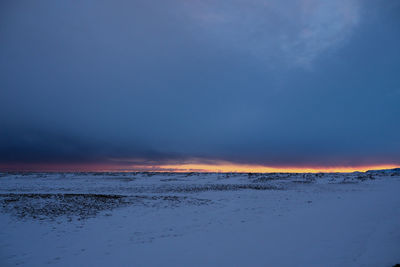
(292, 32)
(139, 82)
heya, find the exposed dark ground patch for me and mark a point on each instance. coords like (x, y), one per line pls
(82, 206)
(51, 206)
(265, 179)
(216, 187)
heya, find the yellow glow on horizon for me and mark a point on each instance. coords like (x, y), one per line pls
(192, 166)
(227, 167)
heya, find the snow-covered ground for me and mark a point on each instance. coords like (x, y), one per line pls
(154, 219)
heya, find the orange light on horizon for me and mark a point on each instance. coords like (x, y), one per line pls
(213, 166)
(245, 168)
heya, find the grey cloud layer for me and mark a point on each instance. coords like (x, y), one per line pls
(309, 83)
(295, 32)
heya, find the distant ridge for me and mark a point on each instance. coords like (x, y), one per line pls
(395, 170)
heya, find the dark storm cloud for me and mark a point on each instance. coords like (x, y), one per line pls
(266, 82)
(29, 145)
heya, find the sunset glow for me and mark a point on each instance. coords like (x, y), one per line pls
(259, 169)
(219, 167)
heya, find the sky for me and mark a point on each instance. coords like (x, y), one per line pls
(157, 85)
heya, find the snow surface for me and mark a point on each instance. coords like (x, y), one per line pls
(194, 219)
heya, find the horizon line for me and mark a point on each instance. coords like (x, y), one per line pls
(188, 168)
